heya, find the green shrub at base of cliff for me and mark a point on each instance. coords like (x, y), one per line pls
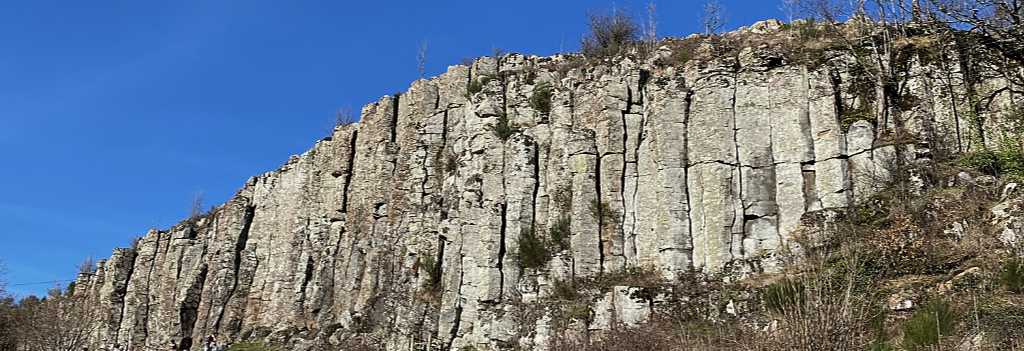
(928, 325)
(784, 296)
(880, 346)
(1012, 276)
(1007, 161)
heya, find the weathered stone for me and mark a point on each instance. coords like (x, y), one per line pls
(410, 227)
(620, 307)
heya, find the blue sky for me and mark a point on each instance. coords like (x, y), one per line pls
(113, 114)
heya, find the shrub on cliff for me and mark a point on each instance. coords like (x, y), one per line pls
(561, 231)
(432, 268)
(533, 253)
(603, 212)
(503, 128)
(344, 116)
(540, 100)
(477, 85)
(609, 35)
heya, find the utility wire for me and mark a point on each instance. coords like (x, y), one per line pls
(40, 283)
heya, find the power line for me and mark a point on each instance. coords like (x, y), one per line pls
(41, 283)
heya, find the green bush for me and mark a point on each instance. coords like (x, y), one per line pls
(451, 163)
(1006, 162)
(532, 251)
(682, 51)
(849, 117)
(928, 324)
(881, 333)
(1001, 319)
(784, 296)
(561, 231)
(541, 98)
(1012, 276)
(805, 29)
(603, 212)
(880, 346)
(504, 129)
(566, 290)
(983, 161)
(251, 346)
(432, 268)
(477, 85)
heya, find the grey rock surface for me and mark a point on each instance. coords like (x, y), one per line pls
(408, 227)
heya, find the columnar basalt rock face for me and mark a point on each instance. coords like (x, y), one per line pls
(408, 225)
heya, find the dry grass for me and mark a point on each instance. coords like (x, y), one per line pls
(838, 294)
(828, 314)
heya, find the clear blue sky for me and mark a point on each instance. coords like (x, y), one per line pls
(114, 113)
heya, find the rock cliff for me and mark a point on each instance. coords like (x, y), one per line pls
(421, 224)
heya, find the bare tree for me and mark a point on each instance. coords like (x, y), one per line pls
(58, 322)
(651, 31)
(988, 37)
(3, 282)
(874, 35)
(651, 28)
(497, 53)
(421, 58)
(790, 8)
(8, 339)
(88, 266)
(8, 310)
(713, 17)
(197, 206)
(999, 23)
(610, 35)
(344, 116)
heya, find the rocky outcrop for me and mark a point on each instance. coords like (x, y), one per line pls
(409, 226)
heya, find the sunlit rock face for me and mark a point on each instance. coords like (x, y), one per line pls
(408, 227)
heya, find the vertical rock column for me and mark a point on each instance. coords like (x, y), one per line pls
(712, 170)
